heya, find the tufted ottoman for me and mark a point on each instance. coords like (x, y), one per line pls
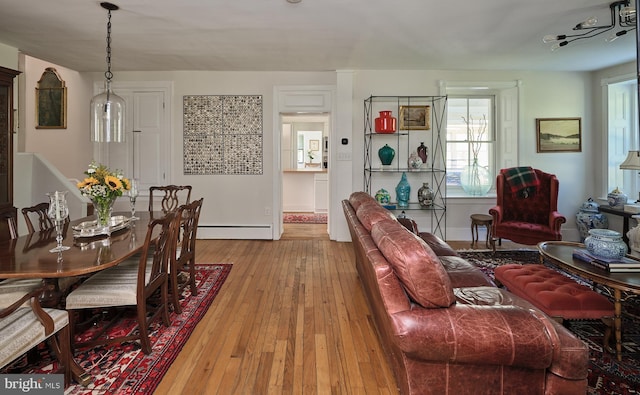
(557, 295)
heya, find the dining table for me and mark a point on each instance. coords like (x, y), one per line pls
(29, 256)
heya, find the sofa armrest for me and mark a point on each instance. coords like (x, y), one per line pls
(495, 335)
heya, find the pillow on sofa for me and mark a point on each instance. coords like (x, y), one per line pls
(371, 213)
(417, 267)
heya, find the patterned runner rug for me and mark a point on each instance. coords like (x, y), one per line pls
(125, 369)
(607, 376)
(304, 218)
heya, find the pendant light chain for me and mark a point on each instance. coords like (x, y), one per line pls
(108, 74)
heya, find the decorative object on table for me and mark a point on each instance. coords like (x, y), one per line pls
(403, 191)
(386, 155)
(133, 195)
(385, 123)
(617, 198)
(107, 108)
(589, 217)
(414, 162)
(383, 196)
(103, 187)
(605, 244)
(476, 180)
(423, 152)
(58, 212)
(425, 195)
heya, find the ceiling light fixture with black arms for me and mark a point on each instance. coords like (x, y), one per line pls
(623, 16)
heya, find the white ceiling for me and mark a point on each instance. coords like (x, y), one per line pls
(314, 35)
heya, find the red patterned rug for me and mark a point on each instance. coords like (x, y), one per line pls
(607, 376)
(125, 369)
(304, 218)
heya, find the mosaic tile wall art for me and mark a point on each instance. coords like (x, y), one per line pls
(222, 134)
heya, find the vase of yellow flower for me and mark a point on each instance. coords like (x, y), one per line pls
(103, 187)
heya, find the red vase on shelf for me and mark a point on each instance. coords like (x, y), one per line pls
(385, 123)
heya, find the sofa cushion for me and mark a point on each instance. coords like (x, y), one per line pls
(357, 198)
(417, 267)
(371, 213)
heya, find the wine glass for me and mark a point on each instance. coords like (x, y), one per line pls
(58, 212)
(133, 194)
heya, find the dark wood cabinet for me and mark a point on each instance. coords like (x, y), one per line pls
(6, 140)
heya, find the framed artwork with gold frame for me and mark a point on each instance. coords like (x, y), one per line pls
(415, 118)
(51, 101)
(559, 134)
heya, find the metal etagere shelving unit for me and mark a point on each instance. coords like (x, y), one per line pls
(404, 141)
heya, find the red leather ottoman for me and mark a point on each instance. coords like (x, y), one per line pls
(557, 295)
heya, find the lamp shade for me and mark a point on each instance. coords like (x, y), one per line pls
(107, 117)
(632, 162)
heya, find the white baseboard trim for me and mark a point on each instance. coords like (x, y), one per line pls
(243, 232)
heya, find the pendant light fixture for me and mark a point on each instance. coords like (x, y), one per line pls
(107, 108)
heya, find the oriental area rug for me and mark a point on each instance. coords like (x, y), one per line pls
(124, 368)
(304, 218)
(607, 376)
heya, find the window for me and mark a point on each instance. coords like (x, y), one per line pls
(622, 135)
(470, 135)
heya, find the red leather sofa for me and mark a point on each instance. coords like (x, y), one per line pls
(445, 327)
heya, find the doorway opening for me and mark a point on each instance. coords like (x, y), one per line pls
(304, 153)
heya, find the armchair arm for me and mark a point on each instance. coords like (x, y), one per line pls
(496, 213)
(556, 220)
(496, 335)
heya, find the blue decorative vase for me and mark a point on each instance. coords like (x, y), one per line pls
(383, 197)
(403, 191)
(617, 199)
(386, 155)
(589, 217)
(606, 244)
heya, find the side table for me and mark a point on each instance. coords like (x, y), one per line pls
(480, 220)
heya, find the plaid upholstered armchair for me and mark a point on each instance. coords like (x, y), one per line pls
(526, 210)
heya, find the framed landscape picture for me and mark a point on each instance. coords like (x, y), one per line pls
(415, 118)
(559, 134)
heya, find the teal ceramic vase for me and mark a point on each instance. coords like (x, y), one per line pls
(386, 155)
(403, 191)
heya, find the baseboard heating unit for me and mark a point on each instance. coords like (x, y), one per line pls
(249, 232)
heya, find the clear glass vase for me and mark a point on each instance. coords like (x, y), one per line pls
(475, 179)
(103, 207)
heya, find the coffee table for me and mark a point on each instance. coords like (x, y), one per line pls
(561, 254)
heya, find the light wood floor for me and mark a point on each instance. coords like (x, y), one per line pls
(290, 319)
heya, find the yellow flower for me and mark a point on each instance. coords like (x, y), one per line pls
(87, 182)
(113, 182)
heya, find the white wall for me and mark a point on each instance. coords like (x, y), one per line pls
(69, 149)
(544, 95)
(243, 199)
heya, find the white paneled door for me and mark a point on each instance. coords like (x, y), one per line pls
(145, 154)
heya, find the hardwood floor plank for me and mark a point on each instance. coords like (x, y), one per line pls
(291, 318)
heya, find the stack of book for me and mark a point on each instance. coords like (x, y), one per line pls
(624, 264)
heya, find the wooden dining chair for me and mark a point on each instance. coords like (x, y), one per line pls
(132, 285)
(8, 223)
(13, 288)
(37, 213)
(185, 258)
(170, 196)
(24, 324)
